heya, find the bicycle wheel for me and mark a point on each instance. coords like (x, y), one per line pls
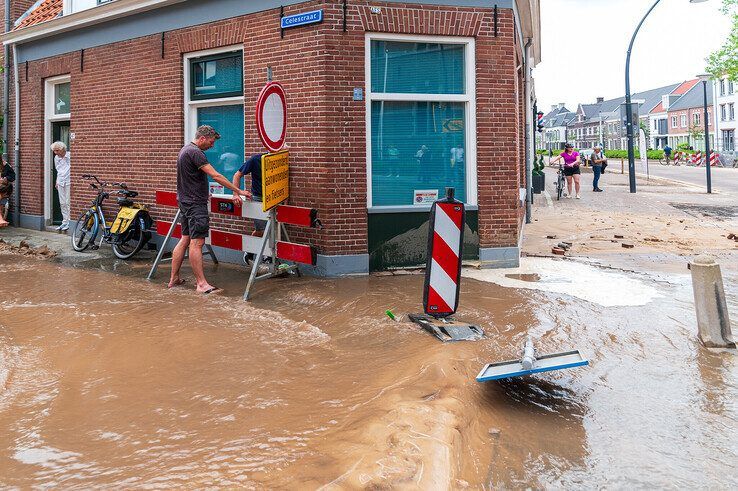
(132, 241)
(85, 231)
(559, 187)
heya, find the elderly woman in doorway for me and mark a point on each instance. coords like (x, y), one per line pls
(62, 163)
(571, 168)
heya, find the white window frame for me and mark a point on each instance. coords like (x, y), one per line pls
(683, 120)
(731, 111)
(50, 117)
(469, 98)
(190, 106)
(730, 87)
(674, 122)
(723, 113)
(722, 86)
(696, 118)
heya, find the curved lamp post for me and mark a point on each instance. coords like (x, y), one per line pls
(628, 108)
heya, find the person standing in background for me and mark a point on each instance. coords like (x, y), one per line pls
(63, 165)
(598, 160)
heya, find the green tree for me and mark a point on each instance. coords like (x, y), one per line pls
(695, 134)
(724, 61)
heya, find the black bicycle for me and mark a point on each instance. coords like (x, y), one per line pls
(128, 233)
(560, 182)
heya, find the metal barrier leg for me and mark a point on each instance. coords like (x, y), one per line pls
(163, 246)
(286, 236)
(211, 253)
(257, 260)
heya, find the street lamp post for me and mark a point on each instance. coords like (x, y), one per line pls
(704, 79)
(628, 108)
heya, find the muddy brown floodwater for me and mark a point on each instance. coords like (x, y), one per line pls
(109, 381)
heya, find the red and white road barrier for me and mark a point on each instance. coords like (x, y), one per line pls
(714, 159)
(270, 244)
(224, 205)
(443, 269)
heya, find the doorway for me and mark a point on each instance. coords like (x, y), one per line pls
(59, 132)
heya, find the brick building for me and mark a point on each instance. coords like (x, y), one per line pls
(127, 82)
(686, 118)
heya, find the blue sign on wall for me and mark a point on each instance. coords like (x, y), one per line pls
(302, 19)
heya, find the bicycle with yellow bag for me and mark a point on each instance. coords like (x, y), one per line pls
(128, 233)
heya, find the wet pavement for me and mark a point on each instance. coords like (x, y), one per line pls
(109, 381)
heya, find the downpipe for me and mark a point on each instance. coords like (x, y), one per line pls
(528, 136)
(6, 84)
(16, 152)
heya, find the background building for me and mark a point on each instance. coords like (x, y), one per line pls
(726, 101)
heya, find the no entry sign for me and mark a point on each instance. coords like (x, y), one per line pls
(271, 116)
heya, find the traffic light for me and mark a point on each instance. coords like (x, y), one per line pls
(540, 121)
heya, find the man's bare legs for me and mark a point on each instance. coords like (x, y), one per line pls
(195, 249)
(177, 258)
(196, 263)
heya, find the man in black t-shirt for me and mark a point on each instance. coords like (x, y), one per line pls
(193, 194)
(252, 167)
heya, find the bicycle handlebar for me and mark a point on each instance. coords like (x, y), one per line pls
(121, 185)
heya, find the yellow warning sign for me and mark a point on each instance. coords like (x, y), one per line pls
(275, 178)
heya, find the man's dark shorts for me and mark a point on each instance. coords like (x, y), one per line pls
(195, 220)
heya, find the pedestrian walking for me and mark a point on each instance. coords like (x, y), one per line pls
(193, 170)
(598, 162)
(571, 168)
(63, 165)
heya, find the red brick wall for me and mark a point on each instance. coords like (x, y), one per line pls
(127, 112)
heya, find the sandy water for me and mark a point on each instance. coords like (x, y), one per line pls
(107, 380)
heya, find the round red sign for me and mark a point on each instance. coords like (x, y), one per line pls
(271, 116)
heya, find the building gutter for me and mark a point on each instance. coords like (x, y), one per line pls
(16, 154)
(89, 17)
(6, 84)
(529, 122)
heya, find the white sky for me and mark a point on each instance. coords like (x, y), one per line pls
(584, 43)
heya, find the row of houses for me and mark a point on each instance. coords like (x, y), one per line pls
(669, 115)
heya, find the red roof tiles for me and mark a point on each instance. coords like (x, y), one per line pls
(40, 12)
(682, 89)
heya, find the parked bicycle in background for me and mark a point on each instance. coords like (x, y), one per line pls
(127, 234)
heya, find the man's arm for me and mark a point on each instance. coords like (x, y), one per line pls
(218, 177)
(237, 179)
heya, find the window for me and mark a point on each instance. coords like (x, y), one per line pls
(731, 111)
(655, 124)
(728, 140)
(730, 86)
(214, 96)
(684, 120)
(219, 75)
(722, 87)
(421, 118)
(696, 119)
(62, 99)
(673, 121)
